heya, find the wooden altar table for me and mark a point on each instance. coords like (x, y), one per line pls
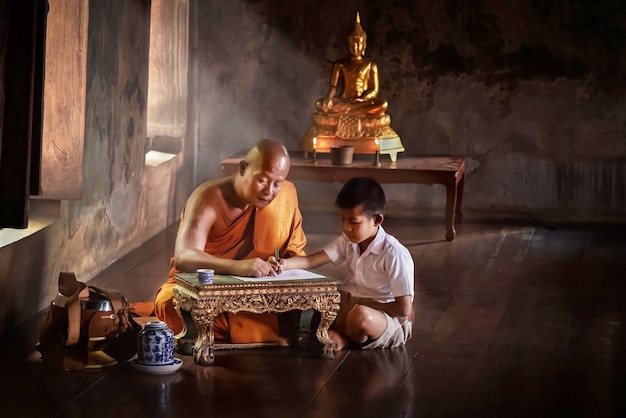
(446, 170)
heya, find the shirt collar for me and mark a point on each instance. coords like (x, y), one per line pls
(378, 243)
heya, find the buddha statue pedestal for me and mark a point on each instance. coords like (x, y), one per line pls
(345, 129)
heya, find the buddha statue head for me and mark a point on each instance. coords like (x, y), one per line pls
(357, 40)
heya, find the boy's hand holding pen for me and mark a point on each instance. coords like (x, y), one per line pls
(277, 262)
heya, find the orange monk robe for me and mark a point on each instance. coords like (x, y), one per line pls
(256, 233)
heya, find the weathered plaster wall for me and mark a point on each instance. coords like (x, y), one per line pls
(123, 203)
(531, 92)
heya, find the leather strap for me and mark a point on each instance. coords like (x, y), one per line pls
(70, 288)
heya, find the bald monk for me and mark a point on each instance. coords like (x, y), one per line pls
(232, 225)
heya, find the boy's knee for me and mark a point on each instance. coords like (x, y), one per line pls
(361, 317)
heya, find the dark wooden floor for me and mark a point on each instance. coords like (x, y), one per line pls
(512, 321)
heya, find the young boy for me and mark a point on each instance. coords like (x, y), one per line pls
(376, 308)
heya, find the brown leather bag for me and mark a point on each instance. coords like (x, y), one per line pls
(83, 319)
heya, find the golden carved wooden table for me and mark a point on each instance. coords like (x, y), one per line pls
(229, 294)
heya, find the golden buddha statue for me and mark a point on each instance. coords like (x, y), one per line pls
(357, 116)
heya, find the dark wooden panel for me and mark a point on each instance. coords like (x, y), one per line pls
(41, 11)
(17, 127)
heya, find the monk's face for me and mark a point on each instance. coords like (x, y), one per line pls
(263, 179)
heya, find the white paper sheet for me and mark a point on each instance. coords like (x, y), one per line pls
(295, 274)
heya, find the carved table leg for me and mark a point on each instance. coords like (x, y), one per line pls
(328, 349)
(328, 311)
(203, 351)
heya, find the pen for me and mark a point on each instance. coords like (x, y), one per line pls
(277, 257)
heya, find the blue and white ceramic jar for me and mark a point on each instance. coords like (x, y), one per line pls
(155, 344)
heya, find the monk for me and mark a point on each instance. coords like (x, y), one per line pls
(232, 225)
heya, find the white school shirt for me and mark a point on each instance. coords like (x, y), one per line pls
(383, 272)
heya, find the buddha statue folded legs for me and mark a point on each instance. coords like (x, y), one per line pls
(363, 108)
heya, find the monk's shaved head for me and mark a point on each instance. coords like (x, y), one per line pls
(267, 154)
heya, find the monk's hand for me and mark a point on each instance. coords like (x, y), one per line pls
(256, 267)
